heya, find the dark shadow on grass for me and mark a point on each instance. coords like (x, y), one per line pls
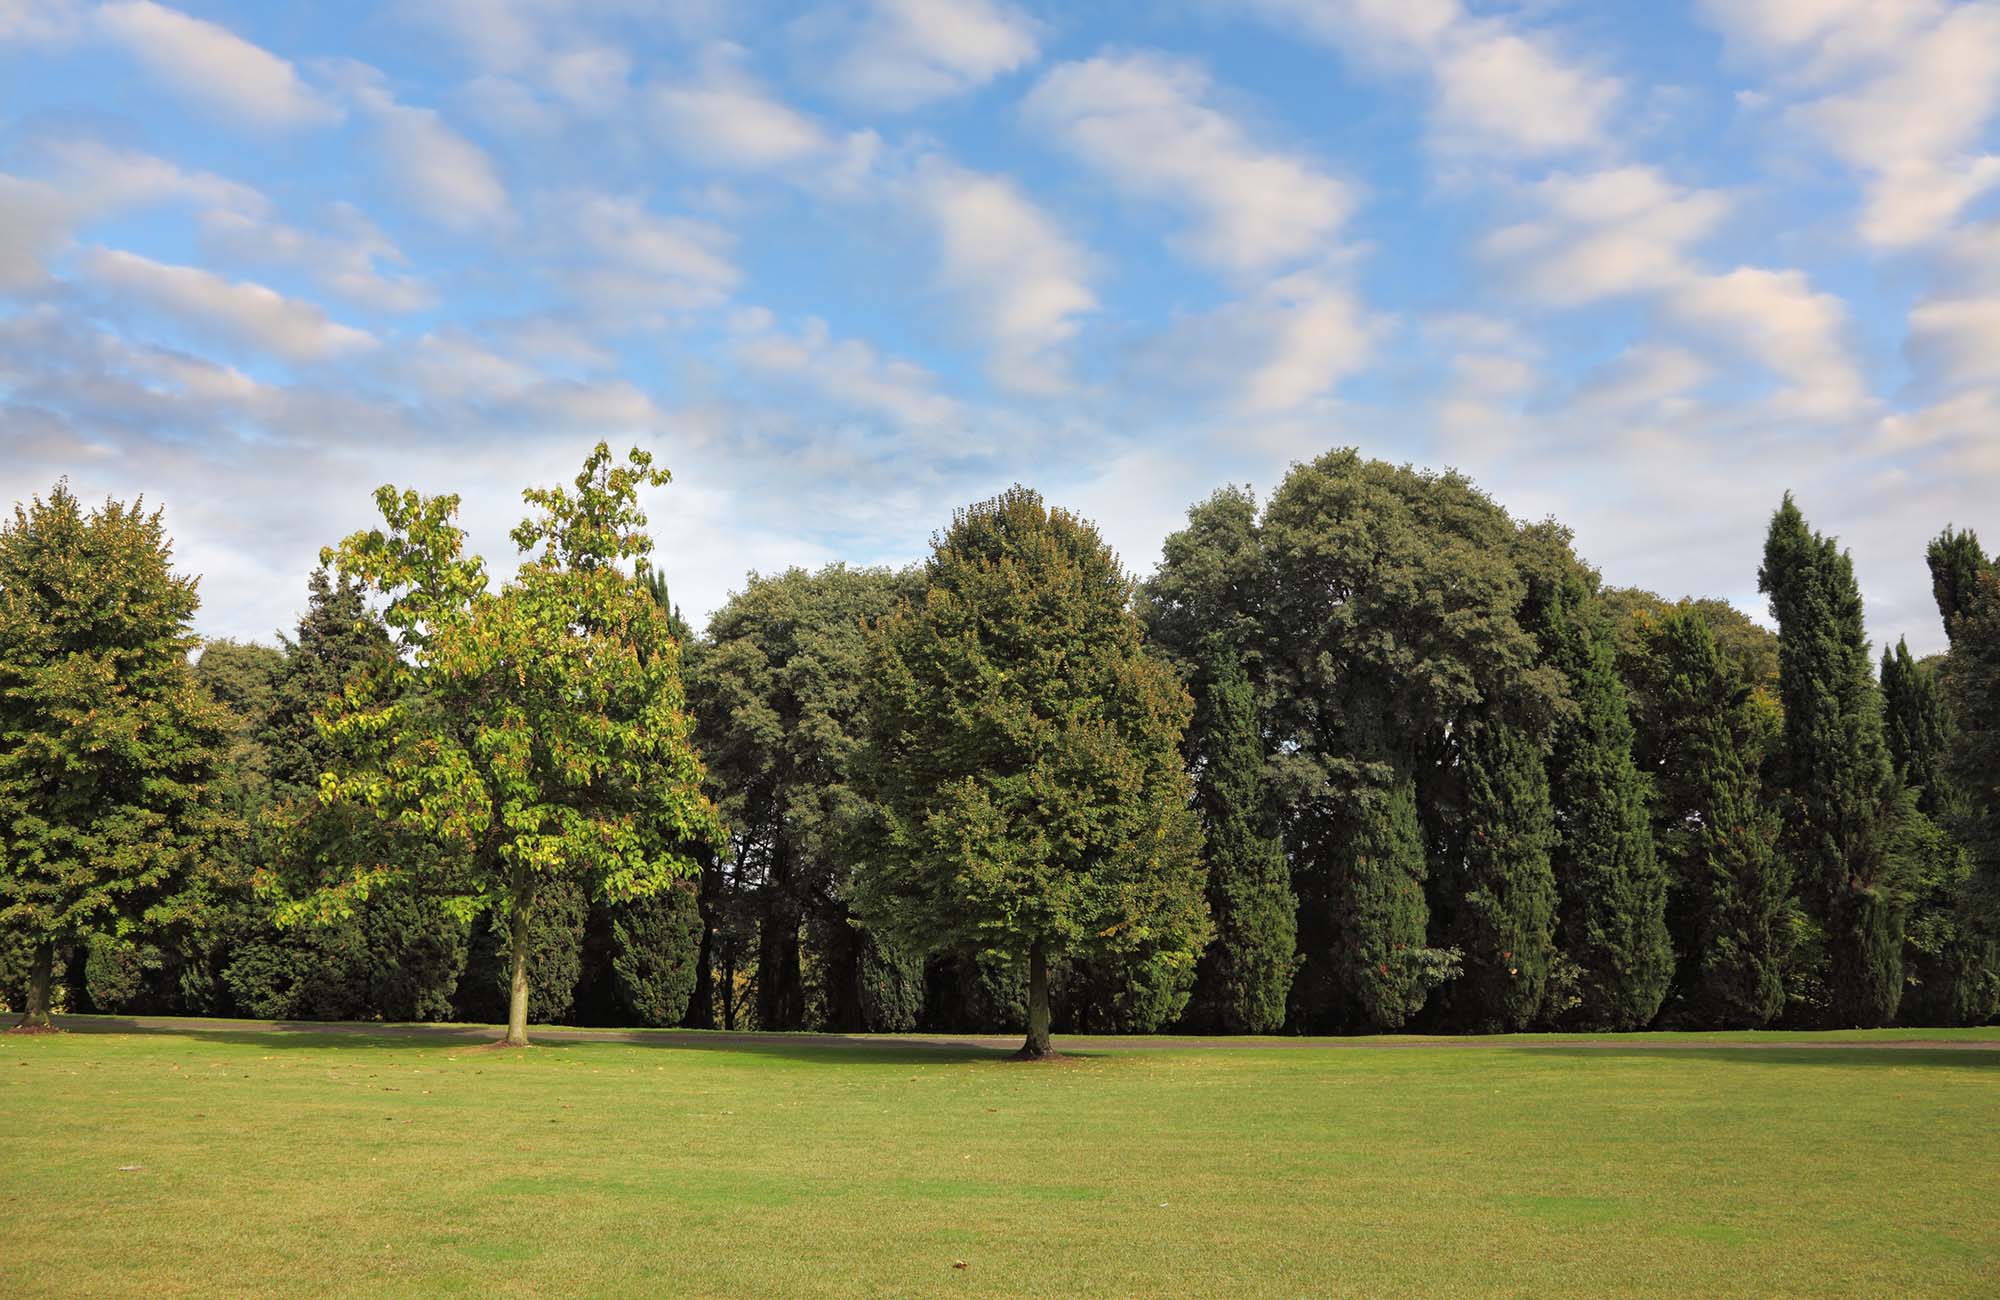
(281, 1034)
(1818, 1054)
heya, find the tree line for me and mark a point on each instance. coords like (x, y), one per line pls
(1367, 755)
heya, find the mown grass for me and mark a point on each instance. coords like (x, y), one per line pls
(234, 1161)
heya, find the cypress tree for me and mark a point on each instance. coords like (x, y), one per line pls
(1916, 728)
(1840, 790)
(1972, 767)
(1610, 886)
(1246, 973)
(1957, 564)
(1495, 900)
(1729, 890)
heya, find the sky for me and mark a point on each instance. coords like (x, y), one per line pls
(847, 265)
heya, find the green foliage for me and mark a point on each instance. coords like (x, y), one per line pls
(1728, 907)
(1496, 902)
(526, 736)
(1246, 974)
(1025, 752)
(1958, 567)
(107, 745)
(1392, 610)
(776, 689)
(1611, 887)
(1971, 683)
(555, 958)
(655, 942)
(1842, 798)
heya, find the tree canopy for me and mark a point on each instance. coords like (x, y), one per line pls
(1025, 752)
(528, 735)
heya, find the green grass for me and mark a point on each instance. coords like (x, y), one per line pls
(298, 1163)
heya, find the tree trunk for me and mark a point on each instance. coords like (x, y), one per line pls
(517, 996)
(1037, 1047)
(37, 1016)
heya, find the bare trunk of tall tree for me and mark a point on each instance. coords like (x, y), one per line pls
(1037, 1047)
(517, 996)
(37, 1016)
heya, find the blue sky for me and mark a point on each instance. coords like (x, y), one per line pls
(845, 266)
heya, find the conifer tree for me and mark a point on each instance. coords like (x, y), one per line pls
(1025, 757)
(1729, 890)
(1951, 972)
(1389, 610)
(106, 810)
(1496, 898)
(1972, 767)
(1246, 973)
(1957, 565)
(1841, 796)
(1610, 886)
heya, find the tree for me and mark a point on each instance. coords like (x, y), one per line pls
(1729, 890)
(107, 745)
(1246, 973)
(776, 690)
(1958, 566)
(1025, 755)
(1971, 683)
(1496, 897)
(1612, 891)
(530, 735)
(1841, 793)
(1391, 611)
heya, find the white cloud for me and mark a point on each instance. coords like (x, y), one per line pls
(103, 178)
(1603, 234)
(1148, 123)
(1778, 319)
(239, 82)
(1497, 85)
(438, 172)
(848, 371)
(626, 263)
(244, 312)
(344, 265)
(1023, 279)
(723, 117)
(36, 22)
(35, 224)
(900, 54)
(1956, 340)
(1902, 91)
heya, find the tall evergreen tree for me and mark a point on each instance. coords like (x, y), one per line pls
(1957, 566)
(1610, 885)
(1390, 610)
(1246, 973)
(1971, 682)
(106, 810)
(1025, 754)
(1951, 972)
(1840, 790)
(1495, 900)
(1729, 893)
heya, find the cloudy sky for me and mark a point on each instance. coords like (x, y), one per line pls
(845, 265)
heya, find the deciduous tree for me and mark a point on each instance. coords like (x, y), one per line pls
(531, 734)
(1025, 752)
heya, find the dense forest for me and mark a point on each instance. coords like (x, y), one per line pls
(1367, 755)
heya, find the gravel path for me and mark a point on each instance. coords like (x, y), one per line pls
(1000, 1045)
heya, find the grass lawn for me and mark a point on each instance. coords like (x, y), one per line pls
(232, 1160)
